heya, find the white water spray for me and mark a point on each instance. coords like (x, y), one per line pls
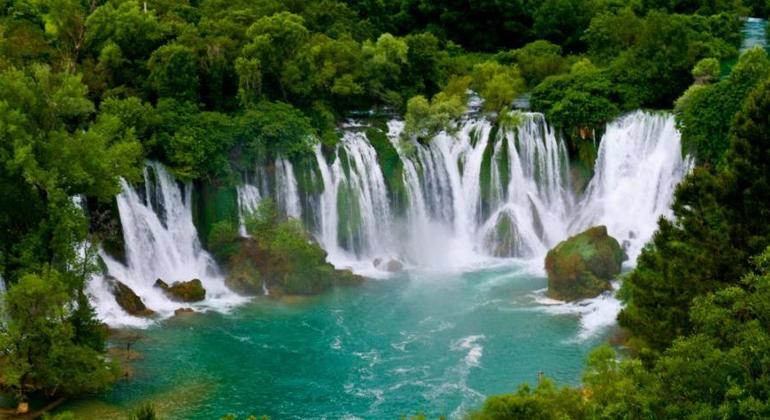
(160, 242)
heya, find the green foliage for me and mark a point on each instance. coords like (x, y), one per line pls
(563, 21)
(538, 60)
(173, 72)
(497, 84)
(39, 348)
(276, 128)
(222, 239)
(424, 119)
(584, 98)
(704, 113)
(145, 411)
(706, 70)
(544, 402)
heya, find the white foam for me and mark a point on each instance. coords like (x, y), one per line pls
(596, 314)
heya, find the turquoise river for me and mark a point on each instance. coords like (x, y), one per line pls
(435, 344)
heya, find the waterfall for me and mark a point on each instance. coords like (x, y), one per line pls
(160, 242)
(248, 200)
(286, 186)
(637, 169)
(355, 214)
(482, 193)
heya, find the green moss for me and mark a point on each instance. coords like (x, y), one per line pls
(503, 240)
(183, 291)
(309, 184)
(504, 167)
(212, 204)
(281, 256)
(487, 190)
(583, 265)
(349, 219)
(392, 169)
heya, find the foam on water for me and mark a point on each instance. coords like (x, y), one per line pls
(596, 314)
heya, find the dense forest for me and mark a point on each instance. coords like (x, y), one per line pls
(90, 89)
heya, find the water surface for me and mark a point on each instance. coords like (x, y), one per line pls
(431, 343)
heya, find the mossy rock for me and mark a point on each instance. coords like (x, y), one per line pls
(104, 219)
(293, 265)
(243, 276)
(503, 240)
(582, 266)
(183, 291)
(128, 299)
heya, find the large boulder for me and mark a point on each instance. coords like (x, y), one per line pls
(244, 276)
(295, 266)
(183, 291)
(128, 299)
(582, 266)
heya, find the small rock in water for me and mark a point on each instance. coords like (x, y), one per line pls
(394, 266)
(183, 291)
(184, 311)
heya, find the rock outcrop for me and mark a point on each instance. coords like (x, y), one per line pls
(183, 291)
(582, 266)
(128, 299)
(298, 267)
(184, 312)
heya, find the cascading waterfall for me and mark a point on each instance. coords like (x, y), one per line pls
(286, 186)
(482, 193)
(467, 199)
(637, 169)
(160, 242)
(355, 215)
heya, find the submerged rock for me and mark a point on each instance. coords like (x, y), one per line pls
(184, 312)
(128, 299)
(582, 266)
(504, 240)
(391, 266)
(183, 291)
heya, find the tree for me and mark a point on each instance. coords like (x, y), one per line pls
(37, 343)
(498, 85)
(424, 119)
(580, 101)
(705, 113)
(563, 22)
(706, 71)
(384, 61)
(273, 41)
(537, 60)
(174, 72)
